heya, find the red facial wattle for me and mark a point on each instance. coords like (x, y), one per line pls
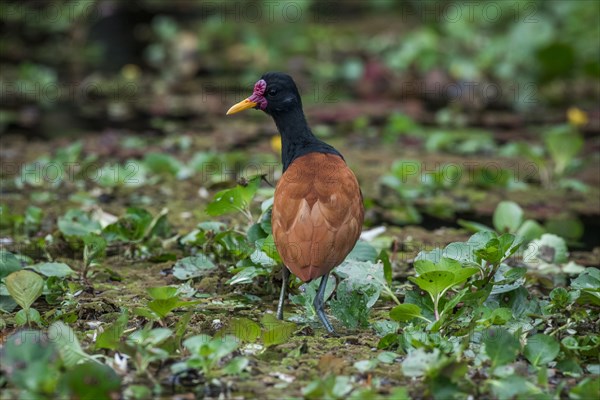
(257, 100)
(258, 96)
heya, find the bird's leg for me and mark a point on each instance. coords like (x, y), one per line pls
(318, 304)
(285, 275)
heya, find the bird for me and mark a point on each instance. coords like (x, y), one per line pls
(318, 209)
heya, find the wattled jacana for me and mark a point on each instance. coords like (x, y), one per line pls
(318, 210)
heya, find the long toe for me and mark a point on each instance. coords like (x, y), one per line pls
(326, 323)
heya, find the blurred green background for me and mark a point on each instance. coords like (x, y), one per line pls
(90, 65)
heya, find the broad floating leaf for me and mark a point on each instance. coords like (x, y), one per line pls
(405, 312)
(508, 216)
(233, 200)
(24, 287)
(501, 346)
(59, 270)
(541, 349)
(193, 267)
(77, 223)
(9, 263)
(67, 344)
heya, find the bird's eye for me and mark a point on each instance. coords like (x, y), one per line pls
(272, 92)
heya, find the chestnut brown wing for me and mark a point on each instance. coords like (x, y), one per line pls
(317, 214)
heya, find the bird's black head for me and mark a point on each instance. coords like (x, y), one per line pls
(275, 93)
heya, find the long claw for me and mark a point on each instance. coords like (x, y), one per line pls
(318, 304)
(285, 275)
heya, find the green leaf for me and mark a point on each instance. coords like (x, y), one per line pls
(195, 343)
(563, 145)
(530, 230)
(247, 275)
(131, 173)
(362, 251)
(7, 303)
(434, 255)
(588, 279)
(193, 267)
(183, 323)
(59, 270)
(449, 264)
(329, 387)
(244, 329)
(508, 244)
(33, 361)
(33, 218)
(508, 279)
(480, 239)
(501, 346)
(434, 282)
(152, 337)
(387, 266)
(77, 223)
(512, 387)
(383, 327)
(67, 344)
(473, 226)
(236, 366)
(350, 306)
(460, 251)
(165, 300)
(549, 249)
(162, 307)
(308, 293)
(366, 365)
(363, 277)
(8, 263)
(110, 338)
(233, 200)
(561, 298)
(94, 248)
(508, 216)
(387, 357)
(28, 316)
(405, 312)
(588, 388)
(162, 292)
(462, 274)
(541, 349)
(418, 362)
(500, 316)
(24, 287)
(146, 313)
(568, 227)
(235, 243)
(161, 163)
(133, 226)
(92, 381)
(269, 248)
(423, 266)
(275, 331)
(492, 252)
(455, 299)
(255, 232)
(589, 284)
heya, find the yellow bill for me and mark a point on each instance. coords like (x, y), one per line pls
(241, 106)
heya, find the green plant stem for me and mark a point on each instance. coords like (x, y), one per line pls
(388, 290)
(248, 214)
(560, 328)
(491, 275)
(435, 308)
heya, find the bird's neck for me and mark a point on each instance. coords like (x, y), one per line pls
(296, 137)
